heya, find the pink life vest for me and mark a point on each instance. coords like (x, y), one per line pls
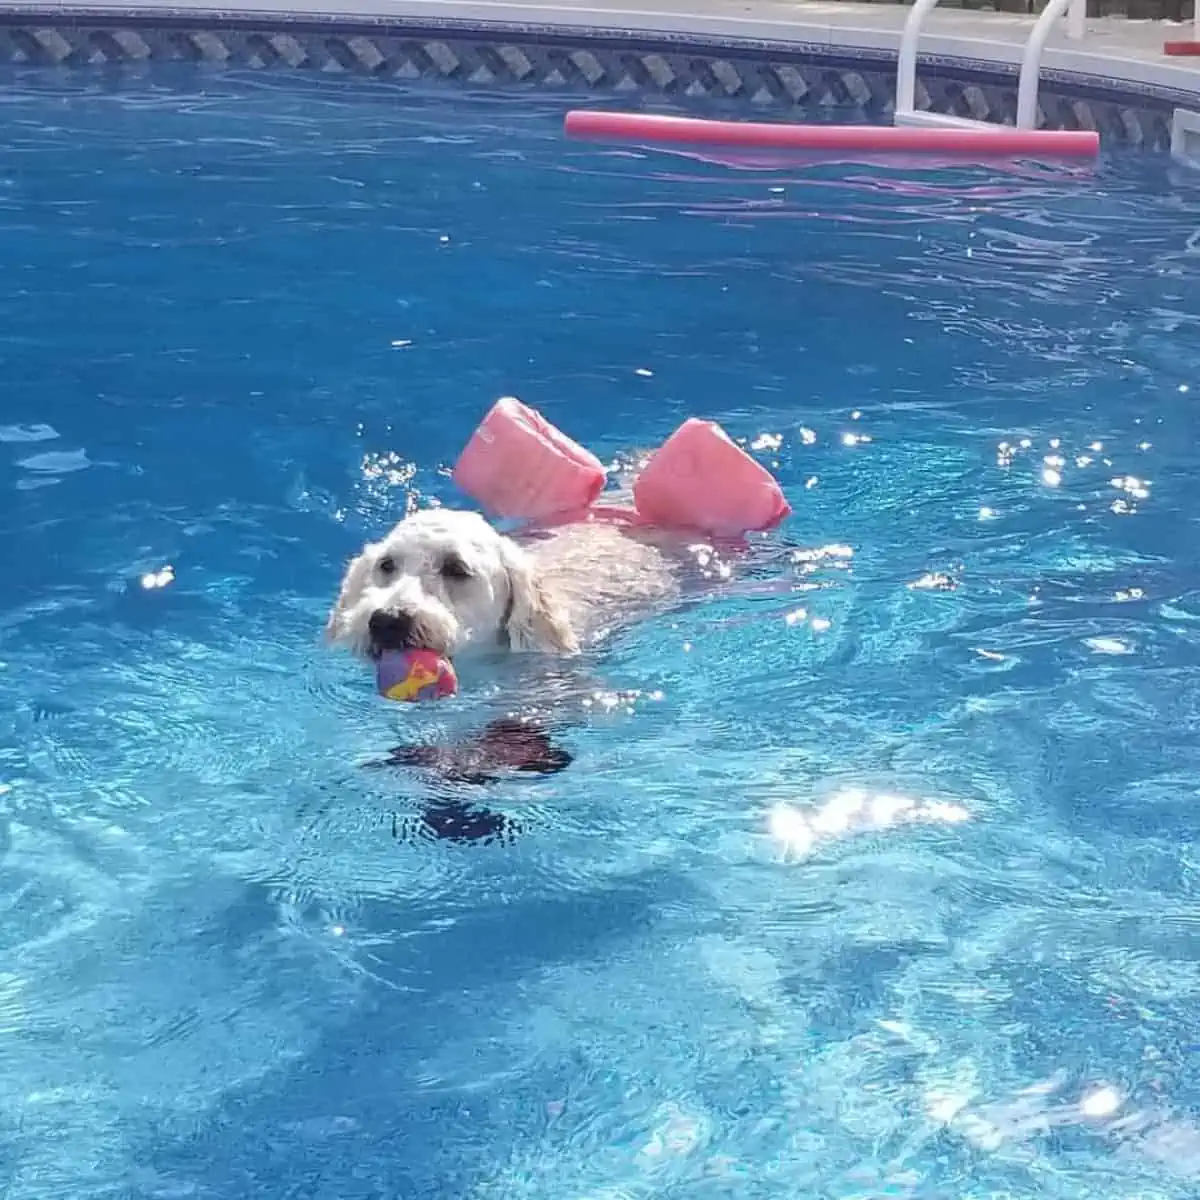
(700, 479)
(520, 467)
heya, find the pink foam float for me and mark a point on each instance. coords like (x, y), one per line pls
(518, 466)
(701, 479)
(987, 142)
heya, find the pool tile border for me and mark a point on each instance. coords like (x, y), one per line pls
(777, 80)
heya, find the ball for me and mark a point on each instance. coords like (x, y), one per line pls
(415, 675)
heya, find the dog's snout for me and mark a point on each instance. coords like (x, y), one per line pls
(390, 630)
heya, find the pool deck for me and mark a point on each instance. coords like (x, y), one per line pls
(1122, 50)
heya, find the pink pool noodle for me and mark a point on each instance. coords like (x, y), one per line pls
(648, 128)
(519, 466)
(700, 479)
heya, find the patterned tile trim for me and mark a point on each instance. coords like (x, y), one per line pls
(787, 81)
(166, 18)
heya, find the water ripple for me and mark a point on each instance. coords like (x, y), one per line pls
(874, 868)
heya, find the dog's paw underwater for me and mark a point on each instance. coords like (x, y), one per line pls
(506, 747)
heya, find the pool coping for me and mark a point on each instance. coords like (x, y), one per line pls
(799, 59)
(985, 42)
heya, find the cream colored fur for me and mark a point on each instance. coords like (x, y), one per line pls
(465, 585)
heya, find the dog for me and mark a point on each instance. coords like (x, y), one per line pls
(447, 580)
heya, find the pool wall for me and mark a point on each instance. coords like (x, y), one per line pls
(681, 71)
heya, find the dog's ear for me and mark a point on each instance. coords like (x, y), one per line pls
(353, 580)
(537, 618)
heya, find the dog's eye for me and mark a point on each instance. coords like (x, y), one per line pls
(386, 565)
(453, 567)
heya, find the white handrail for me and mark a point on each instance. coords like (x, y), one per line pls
(1077, 19)
(1031, 60)
(906, 64)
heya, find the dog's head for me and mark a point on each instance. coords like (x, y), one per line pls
(445, 580)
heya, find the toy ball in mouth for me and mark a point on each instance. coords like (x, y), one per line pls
(415, 675)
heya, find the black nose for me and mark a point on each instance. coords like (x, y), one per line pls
(390, 631)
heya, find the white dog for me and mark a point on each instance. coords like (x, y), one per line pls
(446, 580)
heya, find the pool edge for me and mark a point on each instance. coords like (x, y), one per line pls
(816, 66)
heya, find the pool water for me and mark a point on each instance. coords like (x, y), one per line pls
(876, 870)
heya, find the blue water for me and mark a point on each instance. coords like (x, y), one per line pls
(875, 873)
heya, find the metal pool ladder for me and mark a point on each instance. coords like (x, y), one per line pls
(1027, 84)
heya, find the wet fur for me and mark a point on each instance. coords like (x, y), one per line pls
(546, 597)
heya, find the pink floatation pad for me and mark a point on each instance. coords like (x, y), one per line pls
(700, 479)
(520, 467)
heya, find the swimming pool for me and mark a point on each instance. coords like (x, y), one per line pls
(873, 877)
